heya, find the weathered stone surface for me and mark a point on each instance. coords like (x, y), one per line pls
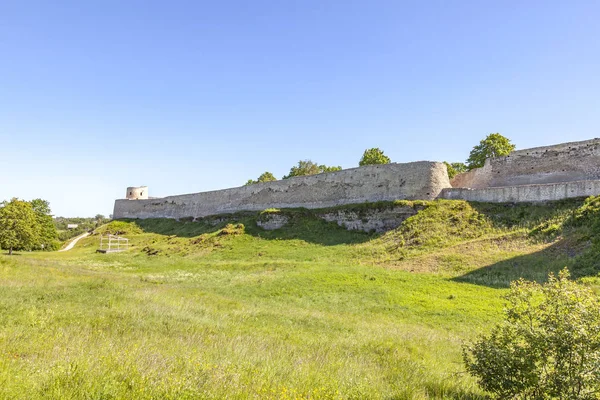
(525, 193)
(272, 221)
(370, 220)
(567, 162)
(421, 180)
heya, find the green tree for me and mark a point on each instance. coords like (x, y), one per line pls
(548, 346)
(264, 177)
(307, 167)
(494, 145)
(455, 168)
(374, 156)
(19, 229)
(48, 237)
(99, 220)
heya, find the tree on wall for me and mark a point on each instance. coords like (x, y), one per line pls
(494, 145)
(374, 156)
(264, 177)
(307, 167)
(548, 346)
(455, 168)
(19, 229)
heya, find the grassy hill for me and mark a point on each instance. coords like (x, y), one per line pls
(221, 308)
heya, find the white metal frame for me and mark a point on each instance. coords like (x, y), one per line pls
(113, 243)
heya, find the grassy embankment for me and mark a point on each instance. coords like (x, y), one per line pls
(198, 310)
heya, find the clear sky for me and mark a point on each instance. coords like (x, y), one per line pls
(191, 96)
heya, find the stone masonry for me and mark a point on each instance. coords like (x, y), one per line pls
(421, 180)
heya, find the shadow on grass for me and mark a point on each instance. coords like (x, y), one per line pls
(566, 252)
(301, 226)
(527, 215)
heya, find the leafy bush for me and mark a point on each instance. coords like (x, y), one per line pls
(231, 229)
(374, 156)
(494, 145)
(307, 167)
(548, 346)
(455, 168)
(264, 177)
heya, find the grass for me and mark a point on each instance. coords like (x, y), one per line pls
(220, 308)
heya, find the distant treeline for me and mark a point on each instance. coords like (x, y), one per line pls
(83, 225)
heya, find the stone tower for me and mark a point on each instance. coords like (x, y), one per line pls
(137, 193)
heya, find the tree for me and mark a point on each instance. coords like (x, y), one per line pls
(264, 177)
(374, 156)
(455, 168)
(494, 145)
(19, 228)
(48, 237)
(99, 220)
(548, 346)
(307, 167)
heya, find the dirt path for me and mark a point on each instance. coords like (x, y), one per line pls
(74, 241)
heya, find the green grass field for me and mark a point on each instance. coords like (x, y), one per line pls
(310, 311)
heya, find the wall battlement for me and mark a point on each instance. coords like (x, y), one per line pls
(530, 175)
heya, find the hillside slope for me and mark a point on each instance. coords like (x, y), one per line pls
(482, 243)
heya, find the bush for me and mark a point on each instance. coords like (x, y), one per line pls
(548, 347)
(307, 167)
(231, 229)
(374, 156)
(494, 145)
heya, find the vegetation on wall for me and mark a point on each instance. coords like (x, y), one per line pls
(264, 177)
(374, 156)
(494, 145)
(307, 167)
(455, 168)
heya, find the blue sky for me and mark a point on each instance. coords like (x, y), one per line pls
(190, 96)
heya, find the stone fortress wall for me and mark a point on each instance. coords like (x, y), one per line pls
(411, 181)
(567, 162)
(530, 175)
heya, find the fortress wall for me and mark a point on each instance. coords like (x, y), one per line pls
(525, 193)
(421, 180)
(575, 161)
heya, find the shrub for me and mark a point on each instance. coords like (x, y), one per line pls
(307, 167)
(264, 177)
(455, 168)
(494, 145)
(548, 346)
(231, 229)
(374, 156)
